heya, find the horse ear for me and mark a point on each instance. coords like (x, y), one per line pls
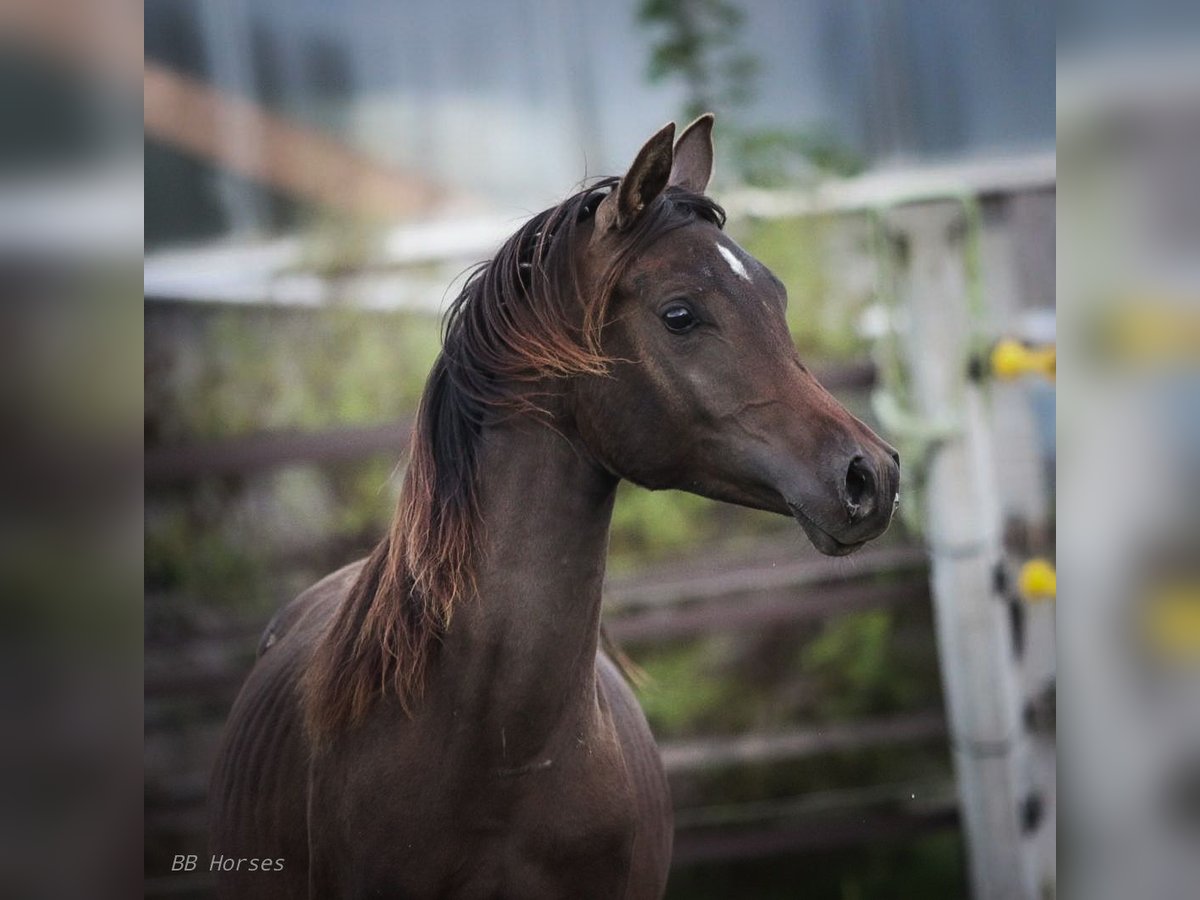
(644, 181)
(694, 156)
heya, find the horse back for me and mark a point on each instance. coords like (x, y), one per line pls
(258, 794)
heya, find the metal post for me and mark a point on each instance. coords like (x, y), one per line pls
(963, 527)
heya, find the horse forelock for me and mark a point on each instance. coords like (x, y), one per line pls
(521, 318)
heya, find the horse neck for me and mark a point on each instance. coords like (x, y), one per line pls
(521, 657)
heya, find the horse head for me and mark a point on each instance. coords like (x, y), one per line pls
(705, 391)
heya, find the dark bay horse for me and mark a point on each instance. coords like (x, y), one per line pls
(437, 720)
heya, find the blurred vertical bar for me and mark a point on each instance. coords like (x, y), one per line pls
(70, 502)
(1129, 133)
(964, 532)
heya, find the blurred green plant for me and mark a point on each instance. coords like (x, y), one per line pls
(335, 244)
(854, 660)
(366, 495)
(821, 317)
(649, 525)
(684, 692)
(193, 563)
(774, 157)
(698, 44)
(925, 866)
(252, 371)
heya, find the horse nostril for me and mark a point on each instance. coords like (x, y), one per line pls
(860, 485)
(895, 455)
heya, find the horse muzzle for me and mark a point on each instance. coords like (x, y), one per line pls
(858, 509)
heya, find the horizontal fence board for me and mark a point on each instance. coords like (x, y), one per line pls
(658, 604)
(768, 607)
(912, 795)
(834, 737)
(271, 450)
(174, 463)
(831, 832)
(702, 580)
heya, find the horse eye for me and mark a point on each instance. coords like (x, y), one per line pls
(679, 319)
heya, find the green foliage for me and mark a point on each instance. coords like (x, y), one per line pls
(684, 693)
(246, 371)
(925, 866)
(335, 244)
(774, 157)
(854, 660)
(366, 495)
(698, 43)
(198, 563)
(873, 663)
(649, 525)
(250, 372)
(821, 319)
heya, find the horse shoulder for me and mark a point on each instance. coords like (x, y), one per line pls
(317, 602)
(654, 821)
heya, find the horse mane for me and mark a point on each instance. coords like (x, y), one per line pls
(521, 318)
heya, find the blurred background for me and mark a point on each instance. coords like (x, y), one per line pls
(311, 179)
(317, 178)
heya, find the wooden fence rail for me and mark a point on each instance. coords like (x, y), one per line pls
(172, 464)
(836, 737)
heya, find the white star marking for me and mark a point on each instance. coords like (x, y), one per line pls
(734, 263)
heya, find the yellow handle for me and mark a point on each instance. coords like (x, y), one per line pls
(1011, 359)
(1037, 581)
(1172, 622)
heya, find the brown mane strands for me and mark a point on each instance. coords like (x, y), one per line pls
(521, 318)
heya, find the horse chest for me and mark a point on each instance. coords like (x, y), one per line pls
(562, 824)
(573, 802)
